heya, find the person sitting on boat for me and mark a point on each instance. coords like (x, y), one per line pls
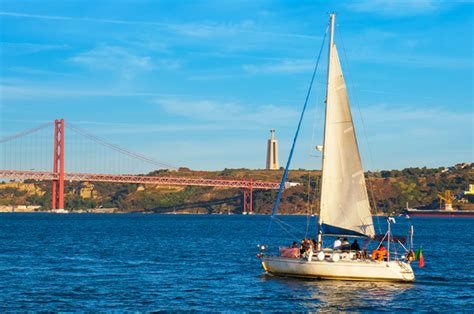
(294, 245)
(355, 246)
(379, 253)
(291, 252)
(345, 245)
(310, 252)
(305, 245)
(364, 254)
(337, 244)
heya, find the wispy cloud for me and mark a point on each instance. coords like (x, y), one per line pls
(407, 126)
(394, 134)
(400, 8)
(285, 66)
(225, 112)
(125, 61)
(418, 60)
(83, 19)
(213, 77)
(391, 48)
(9, 91)
(10, 48)
(113, 58)
(35, 71)
(143, 128)
(188, 29)
(231, 29)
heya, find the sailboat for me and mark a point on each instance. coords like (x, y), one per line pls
(344, 203)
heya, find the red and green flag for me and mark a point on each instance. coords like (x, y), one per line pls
(419, 257)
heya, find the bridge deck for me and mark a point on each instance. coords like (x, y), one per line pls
(91, 177)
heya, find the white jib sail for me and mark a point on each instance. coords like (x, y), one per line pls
(345, 207)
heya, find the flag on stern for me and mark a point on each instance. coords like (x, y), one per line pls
(419, 257)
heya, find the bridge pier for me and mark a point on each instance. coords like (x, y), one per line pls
(248, 199)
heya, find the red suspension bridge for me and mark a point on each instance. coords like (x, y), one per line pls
(15, 169)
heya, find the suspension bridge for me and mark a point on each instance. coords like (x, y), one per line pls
(28, 155)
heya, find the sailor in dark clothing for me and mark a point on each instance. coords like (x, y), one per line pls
(355, 246)
(345, 245)
(304, 246)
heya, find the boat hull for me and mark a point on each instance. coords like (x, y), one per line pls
(366, 270)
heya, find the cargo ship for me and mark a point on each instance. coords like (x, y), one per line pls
(413, 212)
(448, 210)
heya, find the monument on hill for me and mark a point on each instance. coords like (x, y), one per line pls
(272, 152)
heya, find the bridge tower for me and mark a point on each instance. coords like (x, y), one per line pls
(58, 166)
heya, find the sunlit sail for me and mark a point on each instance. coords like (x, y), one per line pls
(345, 208)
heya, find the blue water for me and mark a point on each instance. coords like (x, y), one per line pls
(186, 262)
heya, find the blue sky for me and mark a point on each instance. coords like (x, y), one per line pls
(200, 83)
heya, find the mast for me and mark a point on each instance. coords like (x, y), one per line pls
(332, 18)
(345, 208)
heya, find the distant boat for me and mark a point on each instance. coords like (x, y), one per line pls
(345, 208)
(447, 211)
(413, 212)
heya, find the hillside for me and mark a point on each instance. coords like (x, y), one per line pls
(391, 190)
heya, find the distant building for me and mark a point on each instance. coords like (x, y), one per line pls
(272, 152)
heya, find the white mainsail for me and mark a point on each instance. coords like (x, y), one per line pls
(345, 207)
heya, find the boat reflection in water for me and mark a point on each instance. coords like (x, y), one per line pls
(342, 295)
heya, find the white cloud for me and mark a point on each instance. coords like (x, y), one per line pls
(18, 91)
(411, 135)
(399, 8)
(284, 66)
(418, 60)
(112, 57)
(388, 48)
(9, 48)
(36, 71)
(125, 61)
(187, 29)
(143, 128)
(221, 112)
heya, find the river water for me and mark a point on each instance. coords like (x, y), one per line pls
(82, 262)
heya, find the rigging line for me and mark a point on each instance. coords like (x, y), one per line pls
(24, 133)
(282, 184)
(308, 205)
(371, 188)
(287, 224)
(316, 115)
(316, 194)
(286, 230)
(117, 148)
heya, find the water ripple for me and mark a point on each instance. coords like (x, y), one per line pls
(204, 263)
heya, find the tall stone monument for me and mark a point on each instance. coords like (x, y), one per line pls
(272, 152)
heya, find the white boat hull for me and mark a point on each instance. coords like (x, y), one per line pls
(367, 270)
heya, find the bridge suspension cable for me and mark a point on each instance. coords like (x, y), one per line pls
(119, 149)
(24, 133)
